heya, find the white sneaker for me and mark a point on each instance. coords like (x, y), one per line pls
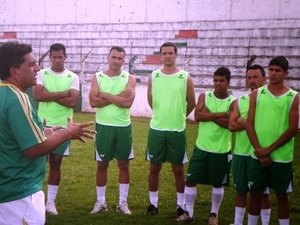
(51, 209)
(123, 209)
(99, 207)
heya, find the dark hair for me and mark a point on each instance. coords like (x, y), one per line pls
(118, 49)
(257, 67)
(58, 47)
(168, 44)
(12, 55)
(280, 61)
(224, 72)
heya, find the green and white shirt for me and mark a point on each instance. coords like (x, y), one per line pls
(54, 113)
(20, 129)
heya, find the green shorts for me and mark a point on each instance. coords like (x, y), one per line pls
(63, 149)
(240, 166)
(209, 168)
(277, 176)
(113, 142)
(167, 146)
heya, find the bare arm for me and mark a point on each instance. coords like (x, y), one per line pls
(223, 122)
(69, 101)
(149, 91)
(250, 121)
(77, 131)
(190, 96)
(96, 99)
(126, 97)
(234, 123)
(203, 114)
(40, 94)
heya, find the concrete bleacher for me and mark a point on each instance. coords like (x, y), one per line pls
(208, 45)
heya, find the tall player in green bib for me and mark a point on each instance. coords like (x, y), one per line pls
(209, 162)
(171, 97)
(271, 126)
(112, 93)
(57, 92)
(255, 78)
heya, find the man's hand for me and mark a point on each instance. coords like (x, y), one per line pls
(265, 161)
(79, 131)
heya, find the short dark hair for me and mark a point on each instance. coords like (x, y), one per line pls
(224, 72)
(12, 55)
(168, 44)
(257, 67)
(118, 49)
(280, 61)
(57, 47)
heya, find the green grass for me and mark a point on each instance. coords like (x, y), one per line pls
(77, 193)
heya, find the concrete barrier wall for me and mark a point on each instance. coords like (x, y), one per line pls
(142, 11)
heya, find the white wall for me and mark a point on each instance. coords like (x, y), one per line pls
(126, 11)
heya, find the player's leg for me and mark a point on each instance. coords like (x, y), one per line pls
(55, 161)
(240, 180)
(53, 182)
(124, 153)
(155, 153)
(103, 154)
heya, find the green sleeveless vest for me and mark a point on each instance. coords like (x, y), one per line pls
(169, 101)
(112, 115)
(242, 142)
(54, 113)
(212, 137)
(272, 120)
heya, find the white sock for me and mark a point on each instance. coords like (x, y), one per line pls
(153, 195)
(217, 197)
(284, 221)
(265, 216)
(190, 197)
(180, 200)
(101, 194)
(52, 192)
(123, 193)
(239, 215)
(252, 219)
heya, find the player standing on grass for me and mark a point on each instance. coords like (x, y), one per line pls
(171, 97)
(209, 163)
(255, 78)
(271, 126)
(112, 93)
(57, 92)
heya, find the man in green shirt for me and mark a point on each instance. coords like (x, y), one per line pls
(57, 91)
(271, 126)
(255, 78)
(209, 163)
(24, 142)
(112, 93)
(171, 97)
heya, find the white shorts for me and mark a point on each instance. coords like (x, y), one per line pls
(26, 211)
